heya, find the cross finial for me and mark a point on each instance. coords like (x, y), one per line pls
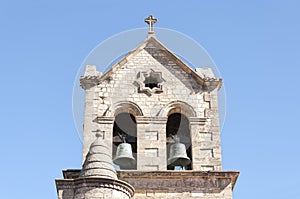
(151, 21)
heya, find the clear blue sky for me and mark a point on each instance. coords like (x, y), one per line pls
(255, 45)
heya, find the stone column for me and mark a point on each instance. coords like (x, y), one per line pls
(88, 121)
(89, 83)
(196, 126)
(213, 127)
(151, 143)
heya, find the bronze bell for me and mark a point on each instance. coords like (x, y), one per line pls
(178, 156)
(124, 157)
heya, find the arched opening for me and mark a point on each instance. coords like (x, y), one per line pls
(178, 127)
(125, 131)
(177, 107)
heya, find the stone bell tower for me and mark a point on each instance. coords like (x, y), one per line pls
(159, 121)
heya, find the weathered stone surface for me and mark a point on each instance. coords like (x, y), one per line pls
(151, 83)
(157, 184)
(182, 92)
(98, 162)
(176, 184)
(97, 179)
(93, 188)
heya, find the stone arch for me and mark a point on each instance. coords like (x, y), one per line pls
(125, 127)
(178, 130)
(125, 107)
(177, 107)
(125, 131)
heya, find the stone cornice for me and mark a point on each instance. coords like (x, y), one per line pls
(184, 178)
(197, 121)
(105, 120)
(212, 83)
(152, 120)
(163, 180)
(71, 173)
(87, 82)
(93, 182)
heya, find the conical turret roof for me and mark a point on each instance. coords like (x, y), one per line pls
(98, 162)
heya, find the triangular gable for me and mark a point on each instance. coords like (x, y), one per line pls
(208, 83)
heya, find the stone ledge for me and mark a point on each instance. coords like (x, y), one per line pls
(93, 182)
(74, 173)
(87, 82)
(180, 181)
(197, 121)
(151, 120)
(204, 181)
(104, 120)
(71, 173)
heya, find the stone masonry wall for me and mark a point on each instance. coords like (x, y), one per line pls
(122, 85)
(99, 193)
(225, 194)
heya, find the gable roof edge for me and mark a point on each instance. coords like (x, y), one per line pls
(208, 83)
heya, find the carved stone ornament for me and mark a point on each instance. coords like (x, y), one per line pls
(150, 82)
(91, 77)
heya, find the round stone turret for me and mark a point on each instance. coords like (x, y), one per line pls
(98, 178)
(98, 162)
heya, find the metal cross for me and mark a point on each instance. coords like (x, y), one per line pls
(150, 21)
